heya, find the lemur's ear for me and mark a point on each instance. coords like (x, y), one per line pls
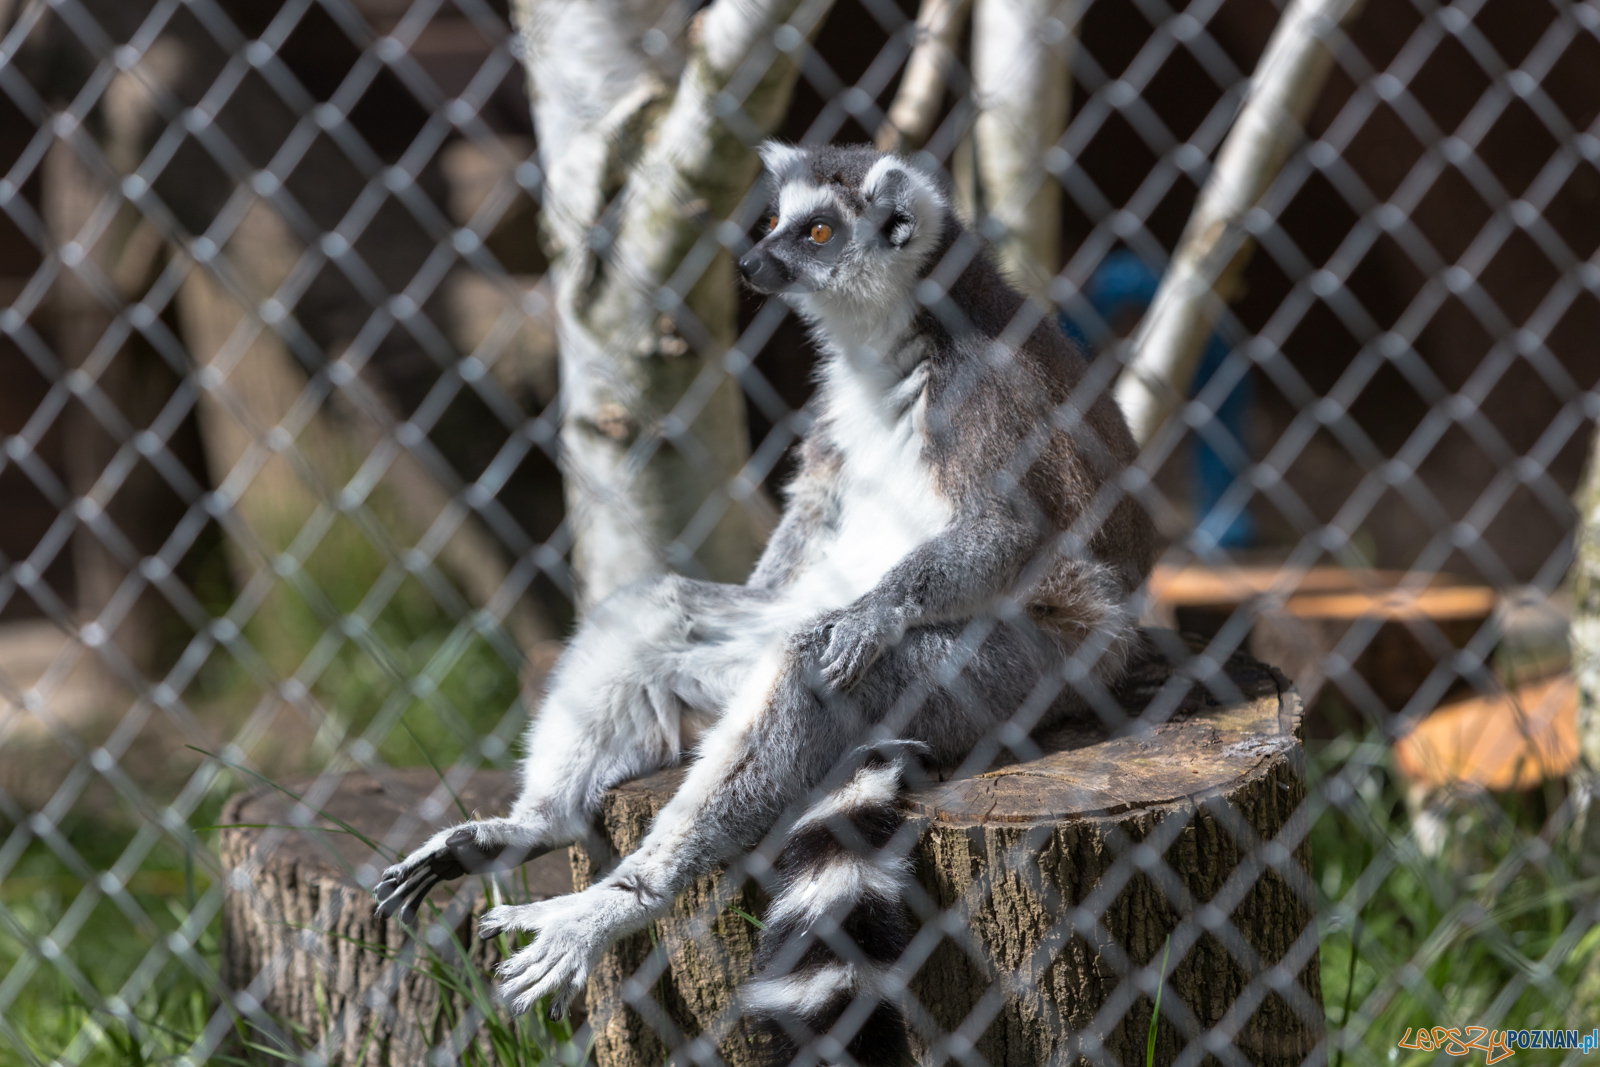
(903, 203)
(781, 159)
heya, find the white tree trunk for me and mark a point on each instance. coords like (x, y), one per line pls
(915, 109)
(1214, 246)
(1019, 75)
(644, 129)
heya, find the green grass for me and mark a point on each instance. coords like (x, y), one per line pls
(55, 1018)
(53, 1015)
(383, 651)
(1155, 1010)
(382, 660)
(1481, 933)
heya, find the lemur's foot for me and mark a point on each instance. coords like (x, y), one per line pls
(448, 854)
(573, 931)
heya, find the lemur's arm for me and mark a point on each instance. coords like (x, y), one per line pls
(1004, 524)
(786, 549)
(809, 508)
(960, 573)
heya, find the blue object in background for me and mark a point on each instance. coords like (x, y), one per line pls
(1121, 288)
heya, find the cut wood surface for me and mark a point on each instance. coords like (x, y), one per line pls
(1007, 853)
(1511, 740)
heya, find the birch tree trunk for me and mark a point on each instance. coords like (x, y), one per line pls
(1215, 247)
(645, 129)
(915, 109)
(1019, 75)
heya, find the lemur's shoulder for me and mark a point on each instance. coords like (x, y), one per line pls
(985, 308)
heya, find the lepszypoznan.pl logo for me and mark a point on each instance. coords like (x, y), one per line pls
(1496, 1045)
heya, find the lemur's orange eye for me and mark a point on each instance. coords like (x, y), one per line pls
(772, 223)
(821, 232)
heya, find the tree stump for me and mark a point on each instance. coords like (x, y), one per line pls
(298, 930)
(1006, 854)
(1009, 855)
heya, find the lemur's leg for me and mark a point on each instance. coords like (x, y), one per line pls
(776, 743)
(653, 661)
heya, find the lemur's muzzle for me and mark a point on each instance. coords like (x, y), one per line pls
(764, 272)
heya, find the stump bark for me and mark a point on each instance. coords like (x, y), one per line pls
(1215, 788)
(298, 930)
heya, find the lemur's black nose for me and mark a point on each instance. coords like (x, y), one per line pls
(763, 272)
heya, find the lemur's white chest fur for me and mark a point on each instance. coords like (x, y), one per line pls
(874, 415)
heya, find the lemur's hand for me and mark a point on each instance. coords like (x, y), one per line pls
(856, 637)
(573, 931)
(448, 854)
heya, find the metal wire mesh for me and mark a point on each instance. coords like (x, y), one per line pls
(282, 467)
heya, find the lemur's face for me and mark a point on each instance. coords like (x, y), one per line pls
(840, 220)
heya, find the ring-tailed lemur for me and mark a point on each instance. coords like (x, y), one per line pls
(954, 545)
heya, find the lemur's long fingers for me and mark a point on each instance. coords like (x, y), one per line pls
(390, 898)
(408, 914)
(489, 927)
(530, 961)
(397, 897)
(528, 989)
(563, 1003)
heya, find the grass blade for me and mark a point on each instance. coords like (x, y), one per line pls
(1155, 1014)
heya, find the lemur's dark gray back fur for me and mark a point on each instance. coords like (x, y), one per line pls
(985, 415)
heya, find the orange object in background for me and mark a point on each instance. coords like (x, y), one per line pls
(1512, 741)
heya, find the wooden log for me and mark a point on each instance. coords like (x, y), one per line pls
(1512, 740)
(1299, 618)
(1009, 854)
(298, 929)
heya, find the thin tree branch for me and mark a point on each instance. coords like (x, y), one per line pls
(916, 103)
(1214, 247)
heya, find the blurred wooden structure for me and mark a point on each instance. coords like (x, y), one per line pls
(1299, 617)
(1512, 741)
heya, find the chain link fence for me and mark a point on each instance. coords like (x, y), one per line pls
(301, 501)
